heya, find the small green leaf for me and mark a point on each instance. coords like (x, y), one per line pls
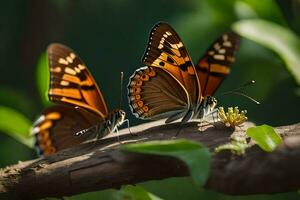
(275, 37)
(195, 156)
(130, 192)
(42, 77)
(265, 137)
(15, 125)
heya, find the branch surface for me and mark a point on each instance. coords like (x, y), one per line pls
(101, 164)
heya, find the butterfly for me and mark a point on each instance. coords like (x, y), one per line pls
(170, 85)
(80, 112)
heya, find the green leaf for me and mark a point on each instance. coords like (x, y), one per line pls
(267, 9)
(15, 125)
(42, 77)
(130, 192)
(275, 37)
(18, 99)
(265, 137)
(195, 156)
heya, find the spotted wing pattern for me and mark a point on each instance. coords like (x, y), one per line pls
(214, 66)
(55, 129)
(71, 83)
(154, 93)
(166, 50)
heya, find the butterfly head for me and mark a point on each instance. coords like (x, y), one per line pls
(211, 102)
(120, 116)
(206, 107)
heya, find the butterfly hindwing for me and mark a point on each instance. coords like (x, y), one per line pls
(166, 50)
(55, 129)
(71, 83)
(154, 93)
(214, 66)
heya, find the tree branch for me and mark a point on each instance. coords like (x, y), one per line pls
(100, 165)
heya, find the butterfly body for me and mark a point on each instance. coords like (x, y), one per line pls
(80, 113)
(170, 85)
(114, 119)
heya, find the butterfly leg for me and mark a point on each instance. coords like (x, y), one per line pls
(212, 114)
(186, 117)
(113, 129)
(215, 118)
(99, 133)
(108, 126)
(178, 130)
(128, 126)
(118, 136)
(200, 125)
(208, 121)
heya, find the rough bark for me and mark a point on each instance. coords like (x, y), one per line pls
(100, 165)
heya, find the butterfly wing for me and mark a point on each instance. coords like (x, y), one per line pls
(154, 93)
(214, 66)
(71, 83)
(166, 50)
(55, 129)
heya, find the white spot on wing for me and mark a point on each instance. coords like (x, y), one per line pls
(217, 46)
(55, 69)
(34, 130)
(219, 57)
(222, 51)
(227, 44)
(39, 120)
(69, 59)
(81, 67)
(179, 45)
(63, 61)
(77, 69)
(72, 55)
(70, 71)
(64, 83)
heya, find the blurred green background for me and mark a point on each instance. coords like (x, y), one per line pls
(111, 36)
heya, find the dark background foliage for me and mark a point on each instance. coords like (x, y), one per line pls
(111, 35)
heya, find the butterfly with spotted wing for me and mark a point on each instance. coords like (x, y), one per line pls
(170, 85)
(81, 112)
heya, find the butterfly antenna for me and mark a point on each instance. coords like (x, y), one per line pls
(248, 97)
(121, 89)
(237, 91)
(252, 82)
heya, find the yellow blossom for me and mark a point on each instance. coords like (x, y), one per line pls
(233, 117)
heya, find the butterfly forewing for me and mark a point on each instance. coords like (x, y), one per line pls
(71, 83)
(166, 50)
(214, 66)
(55, 129)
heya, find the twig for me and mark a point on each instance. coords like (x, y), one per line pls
(90, 167)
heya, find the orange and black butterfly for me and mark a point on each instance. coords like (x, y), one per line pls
(81, 112)
(171, 86)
